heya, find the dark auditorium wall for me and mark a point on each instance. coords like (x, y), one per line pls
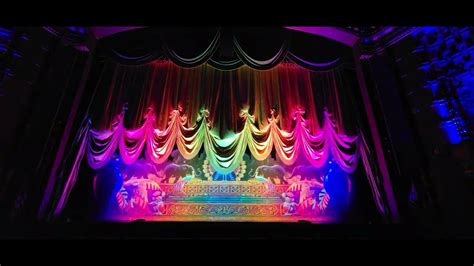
(418, 151)
(34, 107)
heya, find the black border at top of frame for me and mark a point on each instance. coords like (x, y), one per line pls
(235, 13)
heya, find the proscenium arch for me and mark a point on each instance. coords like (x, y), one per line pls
(332, 33)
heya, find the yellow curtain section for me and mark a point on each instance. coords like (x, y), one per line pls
(191, 140)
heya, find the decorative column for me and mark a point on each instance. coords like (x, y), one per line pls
(389, 195)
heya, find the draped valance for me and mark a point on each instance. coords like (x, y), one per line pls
(224, 49)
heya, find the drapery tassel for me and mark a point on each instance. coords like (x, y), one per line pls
(71, 180)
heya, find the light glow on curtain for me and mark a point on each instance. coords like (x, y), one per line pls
(224, 154)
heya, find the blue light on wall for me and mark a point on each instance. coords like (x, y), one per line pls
(81, 30)
(8, 53)
(448, 54)
(452, 132)
(442, 108)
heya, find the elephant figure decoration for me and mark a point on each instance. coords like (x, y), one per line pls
(276, 174)
(175, 172)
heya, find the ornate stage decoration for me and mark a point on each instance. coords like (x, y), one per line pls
(208, 176)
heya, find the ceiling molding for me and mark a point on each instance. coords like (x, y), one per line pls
(380, 41)
(333, 33)
(102, 32)
(364, 31)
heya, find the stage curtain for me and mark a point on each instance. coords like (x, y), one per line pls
(261, 64)
(156, 108)
(225, 112)
(165, 87)
(135, 47)
(314, 65)
(143, 46)
(225, 65)
(225, 154)
(199, 59)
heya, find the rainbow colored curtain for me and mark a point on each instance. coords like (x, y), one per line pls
(287, 109)
(224, 154)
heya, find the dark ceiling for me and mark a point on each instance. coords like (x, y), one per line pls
(364, 31)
